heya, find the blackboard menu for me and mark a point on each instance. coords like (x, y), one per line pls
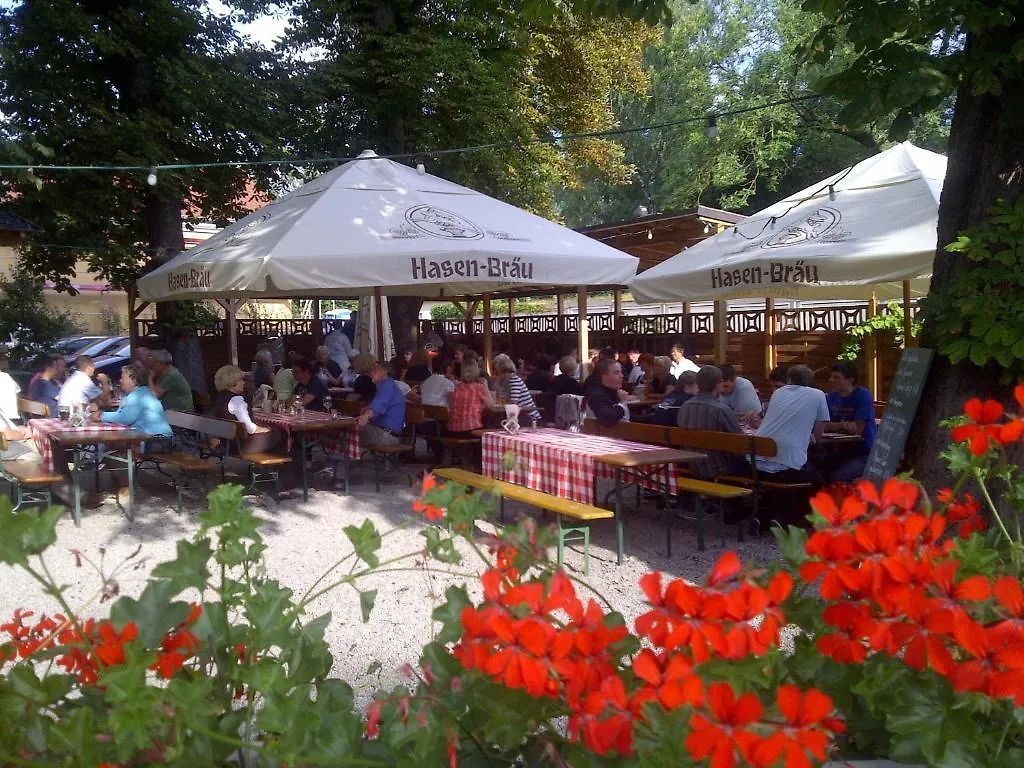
(904, 395)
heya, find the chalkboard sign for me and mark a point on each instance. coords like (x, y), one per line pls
(904, 395)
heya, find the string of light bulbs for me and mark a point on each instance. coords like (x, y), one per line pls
(153, 170)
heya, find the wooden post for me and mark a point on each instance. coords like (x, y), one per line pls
(560, 309)
(133, 331)
(769, 334)
(685, 330)
(488, 341)
(584, 332)
(721, 331)
(230, 307)
(318, 328)
(379, 318)
(908, 327)
(617, 310)
(871, 349)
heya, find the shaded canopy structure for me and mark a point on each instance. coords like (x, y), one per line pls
(376, 225)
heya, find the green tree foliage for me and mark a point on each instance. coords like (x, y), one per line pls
(719, 56)
(27, 322)
(409, 77)
(131, 83)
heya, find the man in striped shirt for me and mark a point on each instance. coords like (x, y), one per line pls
(705, 411)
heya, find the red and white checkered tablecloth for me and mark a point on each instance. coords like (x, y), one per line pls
(42, 429)
(559, 462)
(284, 423)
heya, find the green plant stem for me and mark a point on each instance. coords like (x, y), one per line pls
(349, 578)
(992, 506)
(338, 564)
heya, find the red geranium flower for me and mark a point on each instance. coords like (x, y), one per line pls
(724, 732)
(807, 728)
(983, 429)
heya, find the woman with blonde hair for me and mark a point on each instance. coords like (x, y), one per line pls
(230, 405)
(363, 387)
(264, 372)
(507, 378)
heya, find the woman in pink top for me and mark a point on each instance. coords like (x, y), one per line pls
(468, 402)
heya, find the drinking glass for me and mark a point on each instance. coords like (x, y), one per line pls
(63, 413)
(327, 403)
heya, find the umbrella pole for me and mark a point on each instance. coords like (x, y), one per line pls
(378, 315)
(231, 319)
(908, 328)
(721, 332)
(871, 348)
(769, 334)
(488, 340)
(584, 332)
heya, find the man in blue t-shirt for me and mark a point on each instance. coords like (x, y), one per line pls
(851, 411)
(381, 422)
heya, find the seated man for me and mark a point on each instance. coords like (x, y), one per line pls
(80, 389)
(666, 412)
(796, 414)
(436, 388)
(705, 411)
(680, 363)
(9, 390)
(168, 384)
(739, 393)
(45, 385)
(309, 388)
(606, 397)
(851, 411)
(382, 421)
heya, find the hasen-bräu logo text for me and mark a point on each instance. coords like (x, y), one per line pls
(774, 273)
(190, 279)
(493, 267)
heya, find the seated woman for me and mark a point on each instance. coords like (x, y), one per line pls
(506, 379)
(140, 409)
(230, 405)
(468, 402)
(657, 379)
(419, 367)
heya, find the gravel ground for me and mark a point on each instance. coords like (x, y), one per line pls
(305, 538)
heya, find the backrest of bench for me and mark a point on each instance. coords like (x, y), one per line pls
(654, 434)
(436, 412)
(726, 442)
(34, 408)
(350, 407)
(204, 425)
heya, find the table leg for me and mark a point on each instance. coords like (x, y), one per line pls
(129, 459)
(76, 490)
(618, 512)
(302, 462)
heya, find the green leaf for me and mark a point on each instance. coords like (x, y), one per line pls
(153, 612)
(792, 542)
(24, 534)
(449, 613)
(267, 610)
(365, 541)
(189, 568)
(367, 598)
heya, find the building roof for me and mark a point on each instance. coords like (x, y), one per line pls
(657, 237)
(12, 222)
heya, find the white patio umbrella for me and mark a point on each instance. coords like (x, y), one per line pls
(376, 224)
(873, 224)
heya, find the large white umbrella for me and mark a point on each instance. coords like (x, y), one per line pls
(373, 223)
(873, 224)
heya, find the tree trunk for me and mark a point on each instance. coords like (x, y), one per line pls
(986, 162)
(404, 313)
(163, 221)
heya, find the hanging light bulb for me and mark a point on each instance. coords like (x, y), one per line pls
(713, 127)
(421, 169)
(650, 235)
(151, 179)
(707, 228)
(831, 191)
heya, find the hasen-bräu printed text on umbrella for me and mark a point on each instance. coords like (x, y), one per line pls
(775, 273)
(188, 279)
(493, 267)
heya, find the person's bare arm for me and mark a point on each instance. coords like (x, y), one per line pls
(819, 430)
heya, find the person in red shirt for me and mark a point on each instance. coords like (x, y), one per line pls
(468, 402)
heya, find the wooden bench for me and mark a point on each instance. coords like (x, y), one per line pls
(748, 446)
(31, 482)
(575, 510)
(454, 447)
(217, 435)
(30, 409)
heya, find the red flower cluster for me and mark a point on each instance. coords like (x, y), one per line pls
(87, 646)
(892, 587)
(538, 636)
(429, 511)
(985, 426)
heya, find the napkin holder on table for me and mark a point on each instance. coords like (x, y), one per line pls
(511, 422)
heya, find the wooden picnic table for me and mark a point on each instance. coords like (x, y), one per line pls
(55, 438)
(339, 436)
